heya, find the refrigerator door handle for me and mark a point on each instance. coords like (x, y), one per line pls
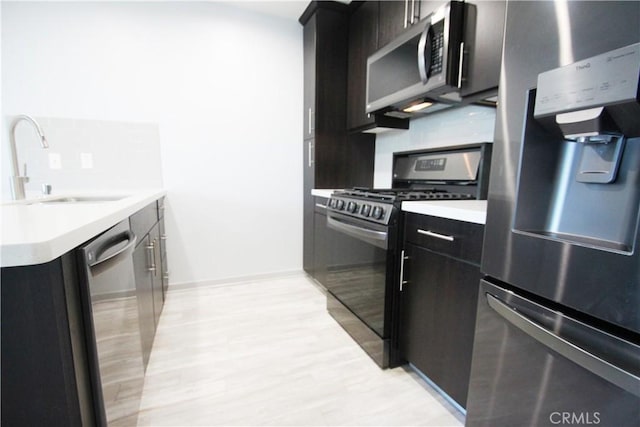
(611, 373)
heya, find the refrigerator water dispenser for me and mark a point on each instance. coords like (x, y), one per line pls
(579, 179)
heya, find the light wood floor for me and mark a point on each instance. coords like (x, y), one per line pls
(267, 353)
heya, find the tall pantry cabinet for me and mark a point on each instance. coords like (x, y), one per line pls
(325, 149)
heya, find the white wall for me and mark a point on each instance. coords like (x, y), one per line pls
(459, 126)
(88, 155)
(223, 86)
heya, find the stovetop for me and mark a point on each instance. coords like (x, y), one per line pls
(391, 195)
(381, 205)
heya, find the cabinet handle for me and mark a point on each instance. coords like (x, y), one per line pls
(402, 281)
(163, 237)
(151, 253)
(436, 235)
(413, 11)
(311, 161)
(406, 11)
(310, 115)
(460, 64)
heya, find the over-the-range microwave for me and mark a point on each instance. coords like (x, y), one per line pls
(423, 64)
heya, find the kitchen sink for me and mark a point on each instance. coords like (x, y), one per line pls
(67, 199)
(80, 199)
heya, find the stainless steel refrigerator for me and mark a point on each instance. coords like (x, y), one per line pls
(557, 338)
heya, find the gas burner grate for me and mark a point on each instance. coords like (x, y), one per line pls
(392, 195)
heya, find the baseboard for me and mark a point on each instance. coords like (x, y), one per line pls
(236, 280)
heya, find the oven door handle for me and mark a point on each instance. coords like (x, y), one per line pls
(376, 238)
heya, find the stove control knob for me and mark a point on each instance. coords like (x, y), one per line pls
(352, 207)
(378, 212)
(332, 203)
(365, 210)
(340, 205)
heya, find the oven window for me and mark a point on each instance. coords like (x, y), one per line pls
(356, 276)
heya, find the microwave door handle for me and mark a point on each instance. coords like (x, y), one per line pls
(424, 60)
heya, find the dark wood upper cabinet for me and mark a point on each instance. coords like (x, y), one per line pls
(325, 38)
(483, 48)
(392, 21)
(396, 16)
(363, 41)
(324, 148)
(309, 59)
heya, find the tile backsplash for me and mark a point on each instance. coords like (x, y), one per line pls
(458, 126)
(90, 155)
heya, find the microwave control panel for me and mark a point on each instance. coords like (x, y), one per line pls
(437, 48)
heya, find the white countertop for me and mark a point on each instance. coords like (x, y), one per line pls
(462, 210)
(321, 192)
(41, 232)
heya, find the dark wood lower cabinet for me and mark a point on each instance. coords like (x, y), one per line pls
(144, 293)
(439, 302)
(149, 268)
(164, 264)
(45, 376)
(46, 370)
(438, 317)
(320, 242)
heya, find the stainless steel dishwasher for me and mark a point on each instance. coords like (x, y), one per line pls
(112, 328)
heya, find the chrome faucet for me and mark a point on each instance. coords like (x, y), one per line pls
(17, 181)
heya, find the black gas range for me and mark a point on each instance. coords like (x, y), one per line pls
(379, 205)
(365, 238)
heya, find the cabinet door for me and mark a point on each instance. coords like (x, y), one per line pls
(309, 61)
(320, 246)
(164, 270)
(363, 41)
(156, 273)
(483, 42)
(438, 318)
(45, 371)
(307, 219)
(142, 263)
(392, 20)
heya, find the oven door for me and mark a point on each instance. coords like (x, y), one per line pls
(360, 270)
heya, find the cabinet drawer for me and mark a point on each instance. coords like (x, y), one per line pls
(143, 220)
(458, 239)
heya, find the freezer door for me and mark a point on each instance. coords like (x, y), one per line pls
(535, 366)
